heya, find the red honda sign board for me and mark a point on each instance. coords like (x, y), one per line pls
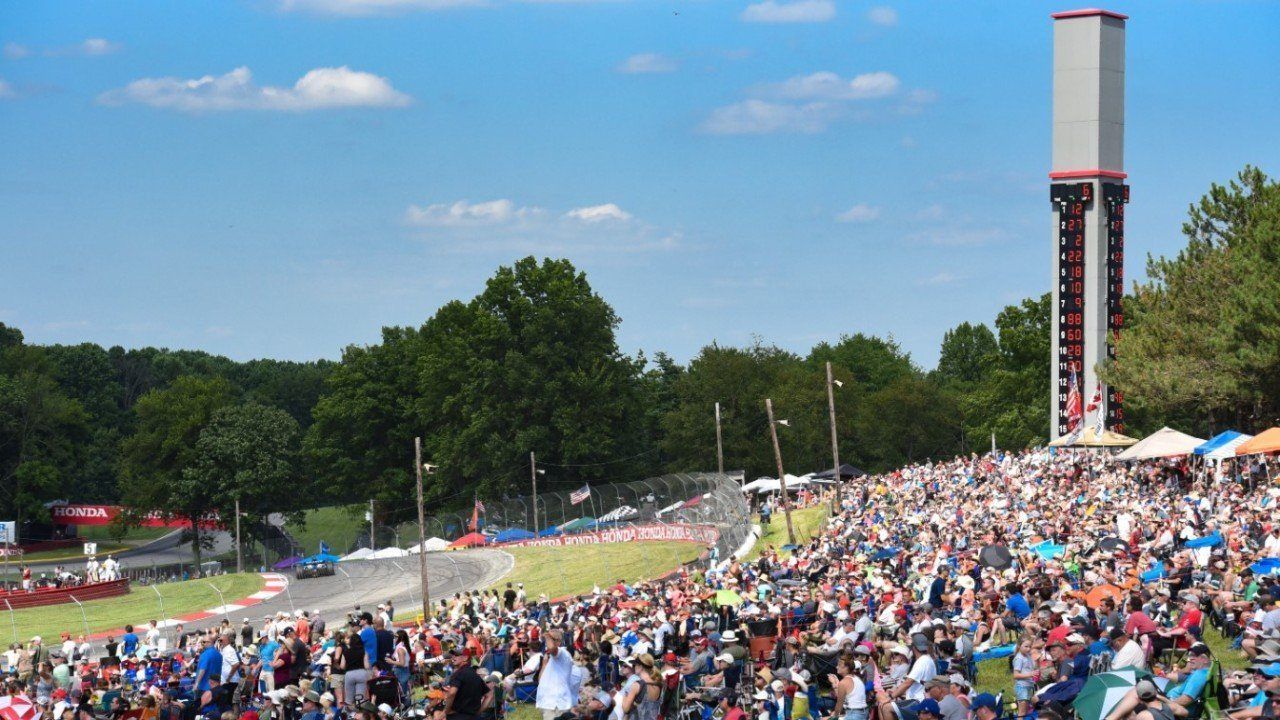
(105, 514)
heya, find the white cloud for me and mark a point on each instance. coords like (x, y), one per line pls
(98, 46)
(941, 278)
(372, 7)
(319, 89)
(599, 213)
(860, 213)
(645, 63)
(467, 214)
(883, 15)
(830, 86)
(6, 90)
(797, 11)
(758, 117)
(14, 51)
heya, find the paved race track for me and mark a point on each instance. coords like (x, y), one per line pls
(369, 582)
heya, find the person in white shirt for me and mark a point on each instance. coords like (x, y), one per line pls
(153, 634)
(1128, 654)
(923, 669)
(230, 659)
(555, 695)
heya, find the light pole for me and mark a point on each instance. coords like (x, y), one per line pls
(782, 476)
(835, 443)
(418, 468)
(239, 558)
(534, 472)
(720, 445)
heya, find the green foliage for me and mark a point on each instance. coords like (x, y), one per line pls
(1201, 347)
(969, 353)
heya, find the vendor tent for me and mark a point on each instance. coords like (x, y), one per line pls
(847, 472)
(579, 524)
(388, 552)
(469, 540)
(1090, 438)
(514, 535)
(1163, 443)
(360, 554)
(431, 544)
(1222, 445)
(1266, 441)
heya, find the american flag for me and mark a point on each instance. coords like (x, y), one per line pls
(579, 495)
(1075, 412)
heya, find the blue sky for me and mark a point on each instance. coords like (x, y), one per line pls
(280, 178)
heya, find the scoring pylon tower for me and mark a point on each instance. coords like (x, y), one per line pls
(1088, 194)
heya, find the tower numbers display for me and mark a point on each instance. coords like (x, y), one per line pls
(1114, 197)
(1071, 200)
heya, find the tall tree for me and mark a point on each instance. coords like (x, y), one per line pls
(157, 458)
(968, 353)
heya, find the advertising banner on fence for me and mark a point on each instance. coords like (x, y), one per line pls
(104, 514)
(705, 534)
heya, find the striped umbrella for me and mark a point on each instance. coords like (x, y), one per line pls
(17, 707)
(1103, 691)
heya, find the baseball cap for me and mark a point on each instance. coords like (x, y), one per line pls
(984, 700)
(1145, 690)
(929, 705)
(1198, 649)
(385, 709)
(1272, 670)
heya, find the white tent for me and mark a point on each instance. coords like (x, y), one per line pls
(360, 554)
(1163, 443)
(768, 484)
(388, 552)
(1228, 450)
(431, 544)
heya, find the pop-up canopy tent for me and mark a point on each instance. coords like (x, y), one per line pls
(469, 540)
(1265, 441)
(431, 544)
(388, 552)
(768, 484)
(514, 535)
(1222, 445)
(579, 524)
(1163, 443)
(847, 472)
(1090, 438)
(359, 554)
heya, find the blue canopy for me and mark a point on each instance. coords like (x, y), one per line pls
(1048, 550)
(318, 558)
(1213, 540)
(1156, 572)
(1217, 441)
(1266, 566)
(548, 532)
(884, 554)
(513, 535)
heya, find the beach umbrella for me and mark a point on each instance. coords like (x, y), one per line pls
(728, 597)
(17, 707)
(1113, 544)
(996, 556)
(1096, 595)
(1103, 691)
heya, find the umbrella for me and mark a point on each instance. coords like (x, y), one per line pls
(884, 554)
(17, 707)
(1096, 595)
(1113, 544)
(1047, 550)
(996, 556)
(1266, 566)
(1103, 691)
(728, 597)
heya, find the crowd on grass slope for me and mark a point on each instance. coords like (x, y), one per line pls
(1059, 567)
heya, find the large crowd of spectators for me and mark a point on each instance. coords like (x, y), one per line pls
(1055, 567)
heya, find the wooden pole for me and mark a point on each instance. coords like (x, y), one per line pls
(533, 479)
(835, 443)
(782, 476)
(422, 530)
(239, 558)
(720, 444)
(373, 524)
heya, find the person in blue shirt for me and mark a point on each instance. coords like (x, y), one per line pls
(1186, 691)
(369, 636)
(208, 667)
(1017, 606)
(129, 642)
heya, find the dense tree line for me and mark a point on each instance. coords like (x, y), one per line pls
(531, 364)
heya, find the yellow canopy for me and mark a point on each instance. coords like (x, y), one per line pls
(1089, 438)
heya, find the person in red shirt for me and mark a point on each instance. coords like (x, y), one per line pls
(1188, 628)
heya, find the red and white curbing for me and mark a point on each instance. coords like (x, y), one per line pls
(273, 585)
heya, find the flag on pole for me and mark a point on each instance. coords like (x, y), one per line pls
(579, 495)
(1100, 421)
(1096, 400)
(475, 515)
(1075, 411)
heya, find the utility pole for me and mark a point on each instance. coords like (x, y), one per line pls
(835, 444)
(239, 559)
(533, 478)
(372, 524)
(422, 529)
(720, 445)
(782, 476)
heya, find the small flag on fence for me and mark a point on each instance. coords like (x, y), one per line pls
(579, 495)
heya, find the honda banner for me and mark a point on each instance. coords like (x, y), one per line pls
(105, 514)
(686, 533)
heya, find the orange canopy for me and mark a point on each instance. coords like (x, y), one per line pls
(469, 540)
(1265, 441)
(1094, 597)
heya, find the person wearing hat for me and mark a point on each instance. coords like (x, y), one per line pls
(949, 706)
(466, 693)
(732, 646)
(311, 706)
(984, 707)
(1126, 652)
(1266, 703)
(923, 669)
(1183, 692)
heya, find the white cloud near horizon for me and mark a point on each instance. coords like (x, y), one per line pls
(810, 104)
(860, 213)
(759, 117)
(648, 63)
(90, 47)
(463, 213)
(319, 89)
(796, 11)
(830, 86)
(883, 15)
(599, 213)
